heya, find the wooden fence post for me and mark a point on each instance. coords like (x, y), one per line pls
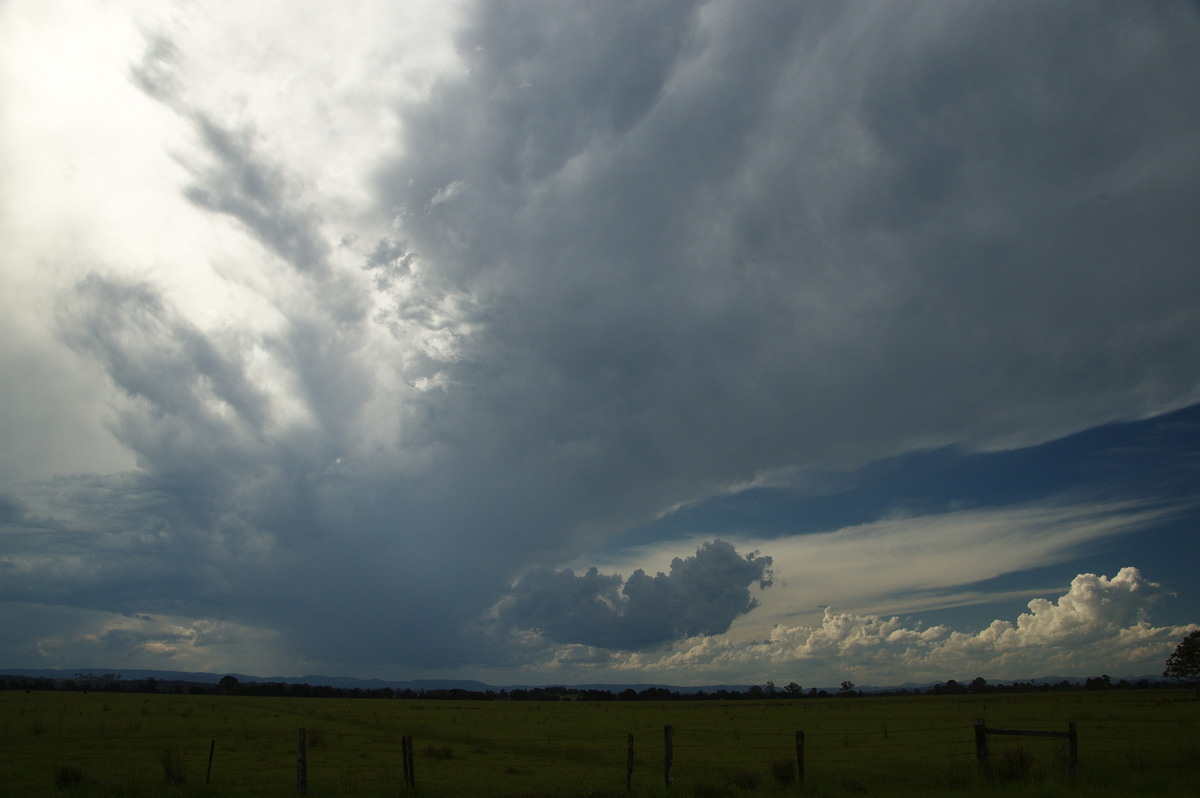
(629, 766)
(302, 764)
(981, 744)
(800, 755)
(406, 754)
(668, 754)
(211, 748)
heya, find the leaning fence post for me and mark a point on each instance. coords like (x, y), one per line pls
(668, 754)
(211, 748)
(1072, 748)
(981, 745)
(302, 764)
(800, 754)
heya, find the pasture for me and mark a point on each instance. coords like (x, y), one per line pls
(1138, 742)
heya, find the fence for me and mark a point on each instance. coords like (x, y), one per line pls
(794, 771)
(451, 749)
(982, 754)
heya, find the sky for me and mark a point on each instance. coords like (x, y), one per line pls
(540, 342)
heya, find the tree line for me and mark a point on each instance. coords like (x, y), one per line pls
(231, 685)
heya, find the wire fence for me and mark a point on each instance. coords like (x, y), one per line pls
(263, 753)
(584, 760)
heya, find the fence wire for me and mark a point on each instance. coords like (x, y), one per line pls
(600, 759)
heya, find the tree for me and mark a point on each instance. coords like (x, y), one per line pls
(1184, 664)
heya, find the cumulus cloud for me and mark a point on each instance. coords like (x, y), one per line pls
(71, 637)
(702, 595)
(1100, 624)
(913, 563)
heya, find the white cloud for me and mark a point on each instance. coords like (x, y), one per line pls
(1098, 625)
(50, 636)
(446, 193)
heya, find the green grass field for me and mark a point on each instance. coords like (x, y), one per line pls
(104, 744)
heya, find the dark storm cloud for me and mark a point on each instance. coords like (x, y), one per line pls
(249, 189)
(116, 543)
(228, 511)
(235, 178)
(389, 261)
(807, 234)
(702, 595)
(155, 355)
(236, 514)
(11, 511)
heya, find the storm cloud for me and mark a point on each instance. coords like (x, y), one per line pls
(348, 342)
(702, 595)
(795, 209)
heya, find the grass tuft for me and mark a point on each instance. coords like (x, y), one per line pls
(174, 765)
(853, 786)
(439, 752)
(783, 770)
(711, 791)
(67, 776)
(745, 779)
(1013, 765)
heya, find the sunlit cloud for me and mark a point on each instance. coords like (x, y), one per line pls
(1099, 624)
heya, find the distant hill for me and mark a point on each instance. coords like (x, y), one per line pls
(345, 682)
(201, 677)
